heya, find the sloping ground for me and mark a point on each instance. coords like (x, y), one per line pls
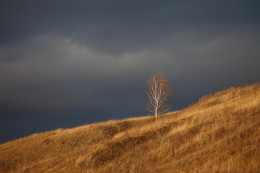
(219, 133)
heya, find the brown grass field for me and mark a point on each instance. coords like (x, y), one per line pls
(219, 133)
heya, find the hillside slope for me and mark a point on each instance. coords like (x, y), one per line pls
(219, 133)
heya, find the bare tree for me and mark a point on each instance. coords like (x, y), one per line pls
(158, 92)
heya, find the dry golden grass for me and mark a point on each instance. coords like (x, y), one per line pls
(219, 133)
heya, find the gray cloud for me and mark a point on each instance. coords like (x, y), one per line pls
(59, 72)
(122, 26)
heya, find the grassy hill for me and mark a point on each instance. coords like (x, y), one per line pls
(219, 133)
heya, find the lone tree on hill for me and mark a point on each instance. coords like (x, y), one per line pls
(158, 92)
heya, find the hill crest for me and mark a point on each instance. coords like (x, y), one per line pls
(220, 132)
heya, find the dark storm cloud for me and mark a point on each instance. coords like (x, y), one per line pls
(64, 63)
(57, 72)
(120, 26)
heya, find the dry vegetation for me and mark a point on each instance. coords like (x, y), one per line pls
(219, 133)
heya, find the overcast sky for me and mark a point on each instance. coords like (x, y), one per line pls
(66, 63)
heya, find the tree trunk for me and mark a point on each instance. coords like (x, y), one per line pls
(156, 114)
